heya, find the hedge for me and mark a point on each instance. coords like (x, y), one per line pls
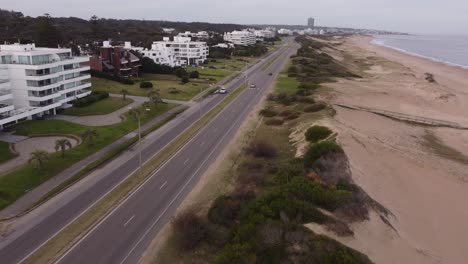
(90, 99)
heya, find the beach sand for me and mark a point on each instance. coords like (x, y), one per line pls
(419, 173)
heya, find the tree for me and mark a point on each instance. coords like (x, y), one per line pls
(124, 93)
(194, 75)
(185, 79)
(62, 144)
(38, 157)
(135, 113)
(154, 97)
(90, 135)
(47, 34)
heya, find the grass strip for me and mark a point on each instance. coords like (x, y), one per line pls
(107, 157)
(268, 64)
(60, 243)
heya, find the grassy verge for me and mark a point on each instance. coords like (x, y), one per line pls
(61, 242)
(5, 152)
(438, 147)
(101, 107)
(107, 157)
(16, 183)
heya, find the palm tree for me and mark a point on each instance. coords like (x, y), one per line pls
(135, 113)
(124, 93)
(38, 157)
(62, 144)
(90, 134)
(154, 97)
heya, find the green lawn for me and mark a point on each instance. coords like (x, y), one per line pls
(101, 107)
(5, 153)
(15, 184)
(285, 84)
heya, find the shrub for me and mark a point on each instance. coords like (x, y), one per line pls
(180, 72)
(146, 85)
(291, 117)
(306, 100)
(268, 113)
(107, 76)
(260, 148)
(315, 108)
(225, 209)
(317, 133)
(90, 99)
(194, 75)
(315, 151)
(185, 80)
(274, 122)
(189, 230)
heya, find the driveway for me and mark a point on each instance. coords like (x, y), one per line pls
(28, 145)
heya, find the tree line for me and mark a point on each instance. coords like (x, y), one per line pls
(48, 31)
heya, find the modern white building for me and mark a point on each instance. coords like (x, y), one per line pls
(199, 34)
(38, 81)
(264, 34)
(180, 51)
(241, 38)
(284, 31)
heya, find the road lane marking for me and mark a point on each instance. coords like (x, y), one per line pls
(129, 220)
(255, 67)
(162, 186)
(215, 130)
(185, 162)
(203, 143)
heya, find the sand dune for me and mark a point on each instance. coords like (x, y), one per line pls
(419, 173)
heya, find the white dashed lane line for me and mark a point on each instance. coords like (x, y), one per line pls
(162, 186)
(129, 220)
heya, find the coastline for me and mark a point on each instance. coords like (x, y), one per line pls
(377, 42)
(417, 172)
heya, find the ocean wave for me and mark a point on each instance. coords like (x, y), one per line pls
(378, 42)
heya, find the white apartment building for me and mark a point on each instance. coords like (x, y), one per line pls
(241, 38)
(199, 34)
(284, 31)
(180, 51)
(37, 81)
(264, 34)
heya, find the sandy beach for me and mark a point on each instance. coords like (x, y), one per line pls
(419, 173)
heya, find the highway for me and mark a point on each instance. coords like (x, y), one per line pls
(125, 233)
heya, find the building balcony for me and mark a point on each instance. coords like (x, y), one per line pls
(4, 108)
(43, 97)
(5, 95)
(5, 84)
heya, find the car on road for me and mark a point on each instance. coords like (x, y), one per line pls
(222, 90)
(270, 74)
(253, 86)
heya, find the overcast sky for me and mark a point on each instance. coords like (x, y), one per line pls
(413, 16)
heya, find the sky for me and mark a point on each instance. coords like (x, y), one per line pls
(411, 16)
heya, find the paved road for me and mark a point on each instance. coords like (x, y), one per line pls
(125, 234)
(158, 198)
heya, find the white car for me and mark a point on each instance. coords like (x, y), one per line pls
(222, 90)
(253, 86)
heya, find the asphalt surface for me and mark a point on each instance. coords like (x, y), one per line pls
(125, 233)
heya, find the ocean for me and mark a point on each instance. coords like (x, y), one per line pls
(452, 50)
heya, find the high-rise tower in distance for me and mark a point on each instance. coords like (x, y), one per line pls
(310, 22)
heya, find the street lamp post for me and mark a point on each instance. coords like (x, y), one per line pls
(137, 115)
